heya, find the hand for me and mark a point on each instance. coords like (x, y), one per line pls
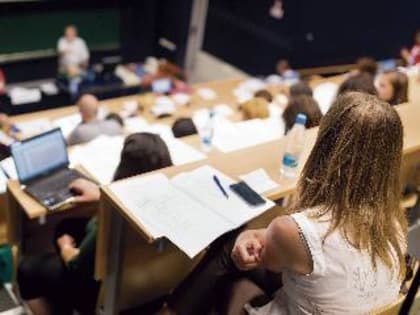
(405, 54)
(85, 190)
(246, 253)
(68, 249)
(66, 241)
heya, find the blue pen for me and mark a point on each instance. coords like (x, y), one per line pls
(217, 181)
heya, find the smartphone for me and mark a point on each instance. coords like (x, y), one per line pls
(247, 194)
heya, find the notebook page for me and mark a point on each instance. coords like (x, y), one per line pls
(199, 184)
(166, 211)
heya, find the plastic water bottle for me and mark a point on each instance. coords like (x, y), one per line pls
(207, 133)
(295, 139)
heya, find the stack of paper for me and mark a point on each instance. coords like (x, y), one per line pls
(189, 209)
(259, 181)
(206, 94)
(67, 123)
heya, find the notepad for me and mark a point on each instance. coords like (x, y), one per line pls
(188, 209)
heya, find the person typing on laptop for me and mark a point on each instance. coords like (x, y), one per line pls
(62, 282)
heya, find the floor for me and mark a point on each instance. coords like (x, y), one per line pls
(211, 68)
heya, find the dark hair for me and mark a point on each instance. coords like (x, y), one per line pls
(116, 117)
(142, 153)
(265, 95)
(361, 82)
(367, 65)
(302, 104)
(399, 82)
(356, 178)
(183, 127)
(300, 88)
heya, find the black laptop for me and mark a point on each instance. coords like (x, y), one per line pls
(42, 165)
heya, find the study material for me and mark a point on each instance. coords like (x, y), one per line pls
(135, 124)
(259, 181)
(247, 133)
(181, 99)
(21, 95)
(188, 209)
(207, 94)
(34, 127)
(67, 123)
(325, 94)
(3, 182)
(102, 166)
(9, 168)
(164, 106)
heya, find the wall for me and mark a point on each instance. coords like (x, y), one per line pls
(312, 33)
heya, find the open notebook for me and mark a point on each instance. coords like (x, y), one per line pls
(188, 209)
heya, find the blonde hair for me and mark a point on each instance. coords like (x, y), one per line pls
(255, 108)
(353, 172)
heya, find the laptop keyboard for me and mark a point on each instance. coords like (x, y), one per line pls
(54, 188)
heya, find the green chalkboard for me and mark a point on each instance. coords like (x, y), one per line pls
(41, 30)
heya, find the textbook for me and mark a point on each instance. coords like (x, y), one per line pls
(189, 209)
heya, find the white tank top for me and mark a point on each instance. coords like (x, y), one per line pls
(343, 280)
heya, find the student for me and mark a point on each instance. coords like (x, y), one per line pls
(63, 282)
(366, 65)
(73, 52)
(341, 249)
(412, 57)
(92, 127)
(393, 87)
(300, 88)
(361, 82)
(255, 108)
(183, 127)
(302, 104)
(115, 117)
(265, 95)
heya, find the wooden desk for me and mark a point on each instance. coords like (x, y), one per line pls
(113, 217)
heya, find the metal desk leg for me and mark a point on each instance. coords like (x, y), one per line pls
(115, 261)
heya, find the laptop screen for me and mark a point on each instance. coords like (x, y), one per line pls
(39, 155)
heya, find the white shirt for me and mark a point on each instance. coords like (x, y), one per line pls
(72, 53)
(343, 280)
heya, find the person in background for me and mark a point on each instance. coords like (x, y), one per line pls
(183, 127)
(393, 87)
(284, 74)
(300, 88)
(2, 82)
(366, 65)
(92, 127)
(73, 52)
(361, 82)
(340, 248)
(412, 57)
(63, 282)
(255, 108)
(115, 117)
(265, 94)
(302, 104)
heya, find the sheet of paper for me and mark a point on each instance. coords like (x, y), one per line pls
(135, 124)
(247, 133)
(182, 153)
(181, 98)
(207, 94)
(3, 182)
(325, 94)
(200, 185)
(34, 127)
(259, 181)
(165, 211)
(8, 166)
(101, 166)
(67, 123)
